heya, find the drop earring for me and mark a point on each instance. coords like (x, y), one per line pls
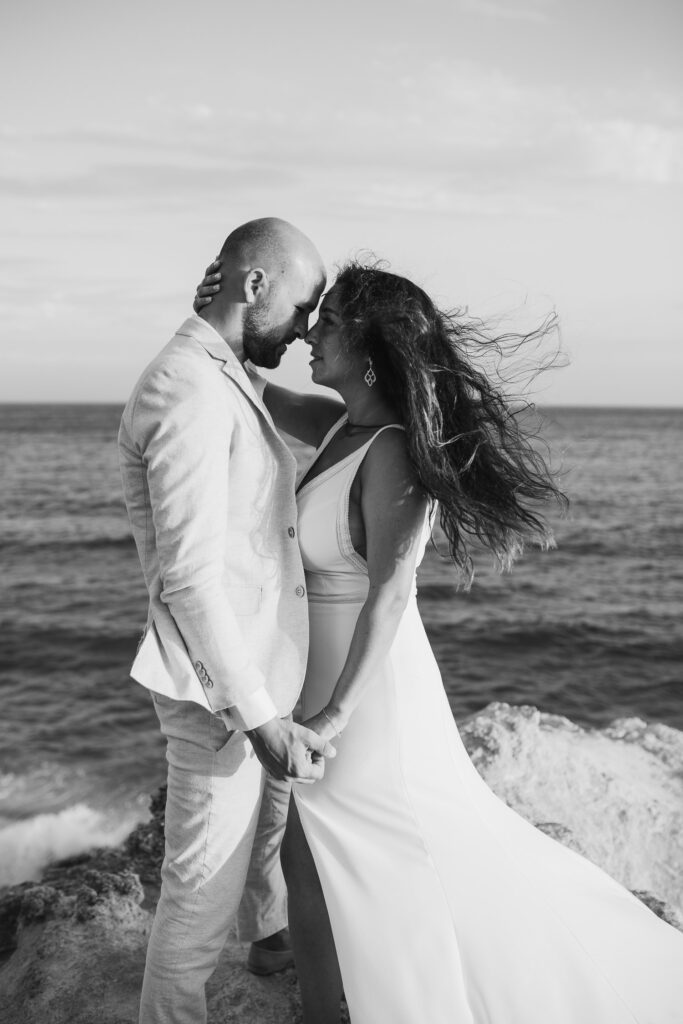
(370, 377)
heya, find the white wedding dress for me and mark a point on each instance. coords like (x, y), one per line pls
(446, 906)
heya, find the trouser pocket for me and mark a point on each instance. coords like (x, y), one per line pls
(189, 723)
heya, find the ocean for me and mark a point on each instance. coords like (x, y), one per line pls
(590, 630)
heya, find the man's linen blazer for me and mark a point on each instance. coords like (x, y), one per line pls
(209, 488)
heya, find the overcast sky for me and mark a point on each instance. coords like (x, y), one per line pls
(513, 157)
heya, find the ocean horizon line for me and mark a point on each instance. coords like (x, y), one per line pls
(574, 406)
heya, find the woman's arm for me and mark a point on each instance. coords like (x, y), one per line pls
(306, 417)
(393, 507)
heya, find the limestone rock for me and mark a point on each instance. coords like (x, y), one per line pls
(72, 946)
(78, 951)
(613, 794)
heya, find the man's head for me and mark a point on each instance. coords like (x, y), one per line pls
(272, 279)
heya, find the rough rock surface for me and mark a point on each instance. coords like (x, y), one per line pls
(72, 946)
(614, 794)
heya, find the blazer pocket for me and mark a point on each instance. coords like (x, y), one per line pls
(244, 600)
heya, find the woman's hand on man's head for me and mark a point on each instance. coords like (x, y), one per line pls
(208, 286)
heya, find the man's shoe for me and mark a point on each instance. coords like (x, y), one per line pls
(268, 961)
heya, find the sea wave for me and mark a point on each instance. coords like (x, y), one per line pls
(627, 633)
(56, 544)
(28, 846)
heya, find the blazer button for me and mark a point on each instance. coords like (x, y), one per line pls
(199, 667)
(207, 683)
(291, 531)
(299, 591)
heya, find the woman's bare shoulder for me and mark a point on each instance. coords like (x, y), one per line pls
(388, 461)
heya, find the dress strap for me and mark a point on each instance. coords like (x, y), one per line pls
(387, 426)
(361, 452)
(330, 434)
(350, 470)
(349, 462)
(340, 422)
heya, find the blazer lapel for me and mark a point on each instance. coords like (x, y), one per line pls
(202, 332)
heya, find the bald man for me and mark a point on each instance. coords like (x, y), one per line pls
(209, 488)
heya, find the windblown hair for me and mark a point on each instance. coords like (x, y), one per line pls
(472, 447)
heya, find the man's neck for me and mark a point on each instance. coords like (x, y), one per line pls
(229, 330)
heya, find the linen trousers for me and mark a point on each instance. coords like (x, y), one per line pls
(219, 807)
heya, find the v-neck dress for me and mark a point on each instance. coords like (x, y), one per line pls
(446, 906)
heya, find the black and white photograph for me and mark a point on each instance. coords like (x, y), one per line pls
(341, 513)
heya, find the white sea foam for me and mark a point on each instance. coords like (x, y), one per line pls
(28, 846)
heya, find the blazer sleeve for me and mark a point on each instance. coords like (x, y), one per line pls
(184, 429)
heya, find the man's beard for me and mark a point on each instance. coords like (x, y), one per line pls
(261, 344)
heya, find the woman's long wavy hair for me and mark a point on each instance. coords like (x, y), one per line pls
(472, 447)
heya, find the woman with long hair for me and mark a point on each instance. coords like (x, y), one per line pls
(412, 887)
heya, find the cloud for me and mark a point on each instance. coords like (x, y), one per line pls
(508, 11)
(451, 136)
(194, 111)
(635, 152)
(147, 181)
(446, 196)
(491, 129)
(199, 112)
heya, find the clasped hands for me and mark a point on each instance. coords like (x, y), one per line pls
(293, 752)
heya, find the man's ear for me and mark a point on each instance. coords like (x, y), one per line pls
(255, 285)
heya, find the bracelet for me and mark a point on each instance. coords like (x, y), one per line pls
(336, 730)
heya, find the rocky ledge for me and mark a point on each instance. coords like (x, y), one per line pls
(72, 946)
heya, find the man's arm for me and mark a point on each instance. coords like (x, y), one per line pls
(185, 432)
(183, 428)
